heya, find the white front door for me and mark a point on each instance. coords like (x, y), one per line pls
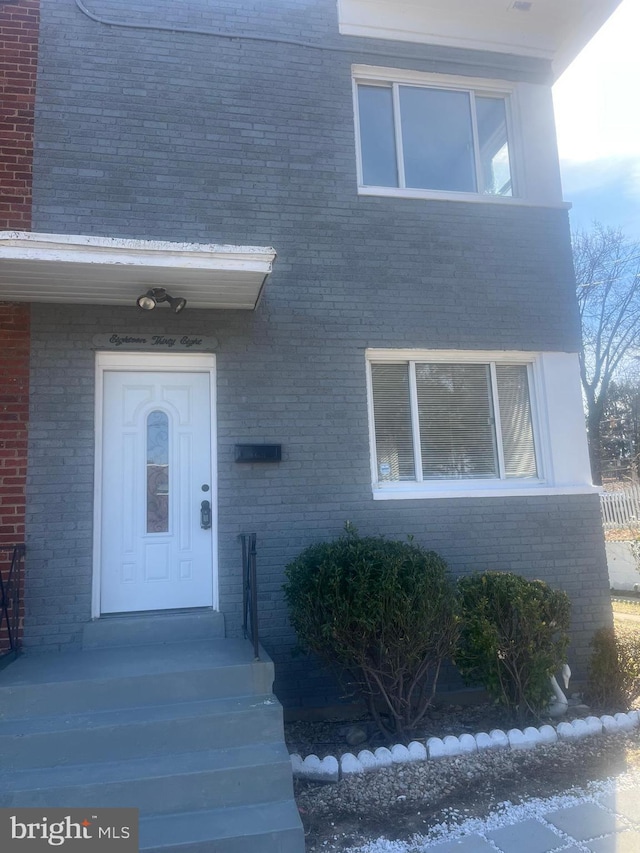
(156, 537)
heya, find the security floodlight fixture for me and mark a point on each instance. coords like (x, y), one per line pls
(153, 297)
(176, 303)
(147, 301)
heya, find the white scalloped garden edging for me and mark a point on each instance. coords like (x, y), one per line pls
(329, 769)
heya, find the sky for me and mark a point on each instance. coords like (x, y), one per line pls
(597, 104)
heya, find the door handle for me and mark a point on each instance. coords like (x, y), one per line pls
(205, 515)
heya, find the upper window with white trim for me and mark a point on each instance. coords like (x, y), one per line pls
(437, 419)
(428, 135)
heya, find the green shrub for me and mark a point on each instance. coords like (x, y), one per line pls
(513, 638)
(382, 610)
(614, 672)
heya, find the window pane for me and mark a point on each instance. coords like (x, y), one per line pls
(457, 432)
(377, 136)
(515, 420)
(437, 139)
(157, 473)
(392, 416)
(494, 146)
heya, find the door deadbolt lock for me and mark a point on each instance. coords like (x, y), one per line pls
(205, 515)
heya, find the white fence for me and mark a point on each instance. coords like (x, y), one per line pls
(621, 508)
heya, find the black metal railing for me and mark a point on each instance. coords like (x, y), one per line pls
(250, 591)
(11, 583)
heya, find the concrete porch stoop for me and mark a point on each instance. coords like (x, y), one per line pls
(160, 713)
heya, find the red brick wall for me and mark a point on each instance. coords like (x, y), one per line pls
(19, 23)
(14, 418)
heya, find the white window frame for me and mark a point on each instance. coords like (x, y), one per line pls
(393, 77)
(489, 487)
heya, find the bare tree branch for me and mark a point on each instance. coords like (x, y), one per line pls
(607, 267)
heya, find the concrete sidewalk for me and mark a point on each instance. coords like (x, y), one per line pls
(607, 823)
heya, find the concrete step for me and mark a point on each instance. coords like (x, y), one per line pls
(174, 782)
(110, 678)
(188, 732)
(151, 629)
(126, 733)
(261, 828)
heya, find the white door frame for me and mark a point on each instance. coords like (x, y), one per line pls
(160, 362)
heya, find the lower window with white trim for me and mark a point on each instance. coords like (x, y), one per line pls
(453, 422)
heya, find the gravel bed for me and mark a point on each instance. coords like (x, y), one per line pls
(401, 800)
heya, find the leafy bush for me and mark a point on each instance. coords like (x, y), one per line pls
(513, 638)
(384, 611)
(614, 672)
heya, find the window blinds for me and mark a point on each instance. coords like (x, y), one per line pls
(454, 410)
(515, 421)
(392, 414)
(457, 432)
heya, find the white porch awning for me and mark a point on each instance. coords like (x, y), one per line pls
(110, 271)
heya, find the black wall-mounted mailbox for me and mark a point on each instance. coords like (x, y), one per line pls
(258, 452)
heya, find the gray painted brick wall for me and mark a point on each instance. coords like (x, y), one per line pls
(312, 398)
(190, 137)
